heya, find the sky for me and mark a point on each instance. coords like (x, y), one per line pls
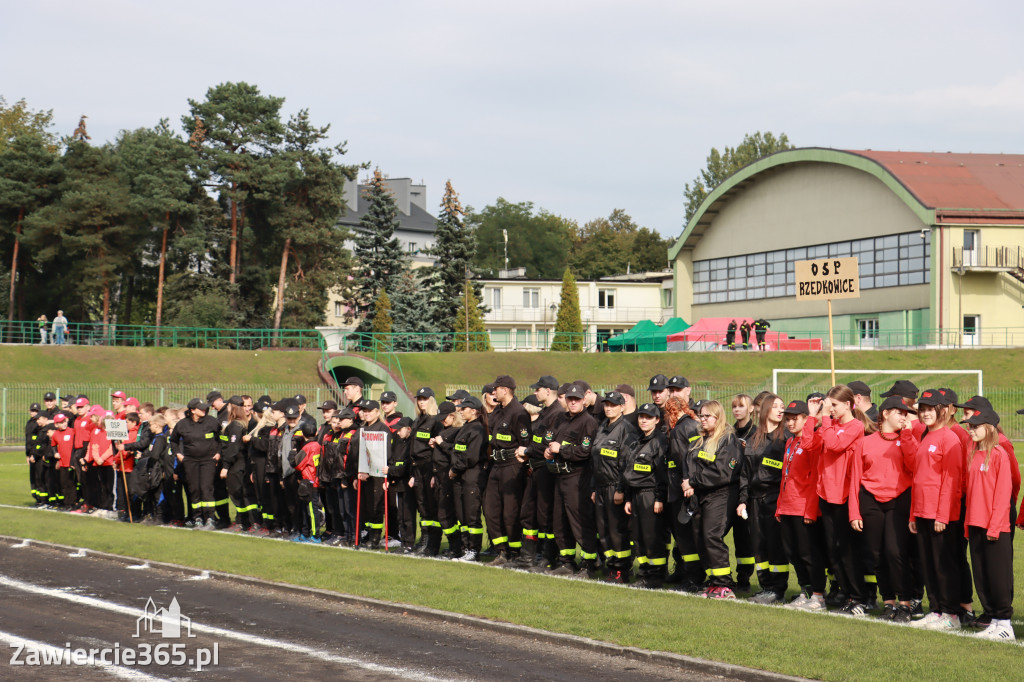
(578, 107)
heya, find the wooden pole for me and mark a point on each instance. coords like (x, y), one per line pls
(831, 344)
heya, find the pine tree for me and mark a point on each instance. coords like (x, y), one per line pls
(453, 248)
(478, 340)
(569, 325)
(379, 256)
(382, 322)
(410, 311)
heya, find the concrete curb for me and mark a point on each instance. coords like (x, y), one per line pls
(701, 665)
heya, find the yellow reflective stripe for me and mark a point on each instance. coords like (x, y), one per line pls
(870, 579)
(773, 463)
(706, 456)
(460, 447)
(691, 557)
(538, 439)
(499, 541)
(515, 545)
(609, 553)
(671, 464)
(503, 436)
(429, 524)
(566, 442)
(761, 565)
(530, 531)
(720, 571)
(780, 568)
(312, 520)
(641, 560)
(588, 556)
(745, 560)
(245, 509)
(609, 453)
(209, 435)
(659, 562)
(453, 529)
(218, 502)
(568, 552)
(624, 554)
(423, 434)
(223, 437)
(641, 467)
(474, 531)
(693, 438)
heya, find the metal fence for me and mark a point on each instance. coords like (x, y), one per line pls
(99, 334)
(15, 399)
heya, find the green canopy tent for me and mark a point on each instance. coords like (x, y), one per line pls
(656, 338)
(627, 341)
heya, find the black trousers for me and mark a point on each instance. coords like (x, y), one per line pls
(648, 531)
(686, 549)
(966, 586)
(53, 490)
(466, 492)
(426, 503)
(576, 522)
(221, 498)
(743, 543)
(371, 515)
(347, 509)
(105, 487)
(537, 510)
(311, 522)
(332, 502)
(444, 502)
(841, 549)
(67, 486)
(275, 513)
(200, 473)
(262, 489)
(993, 571)
(760, 339)
(245, 507)
(717, 507)
(802, 543)
(172, 508)
(613, 528)
(769, 554)
(503, 499)
(940, 566)
(886, 542)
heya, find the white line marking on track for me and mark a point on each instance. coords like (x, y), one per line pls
(55, 652)
(289, 647)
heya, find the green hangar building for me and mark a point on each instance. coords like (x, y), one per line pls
(938, 238)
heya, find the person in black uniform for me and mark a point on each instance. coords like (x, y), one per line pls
(659, 389)
(234, 465)
(195, 442)
(745, 334)
(37, 485)
(441, 482)
(644, 483)
(760, 329)
(759, 496)
(468, 457)
(730, 335)
(400, 531)
(568, 455)
(509, 426)
(424, 428)
(614, 438)
(683, 432)
(862, 399)
(538, 497)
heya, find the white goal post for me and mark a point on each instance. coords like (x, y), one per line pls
(895, 373)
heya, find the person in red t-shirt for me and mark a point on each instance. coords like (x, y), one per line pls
(63, 441)
(306, 460)
(880, 482)
(99, 458)
(797, 508)
(989, 482)
(123, 462)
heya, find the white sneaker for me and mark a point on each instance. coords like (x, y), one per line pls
(799, 602)
(815, 604)
(997, 632)
(929, 618)
(946, 622)
(393, 543)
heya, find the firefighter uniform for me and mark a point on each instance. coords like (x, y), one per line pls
(509, 426)
(611, 444)
(689, 570)
(444, 499)
(421, 456)
(198, 441)
(715, 477)
(759, 490)
(538, 497)
(644, 483)
(468, 456)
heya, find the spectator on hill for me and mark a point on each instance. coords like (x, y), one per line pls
(60, 327)
(42, 329)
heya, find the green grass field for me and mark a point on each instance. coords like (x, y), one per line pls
(808, 645)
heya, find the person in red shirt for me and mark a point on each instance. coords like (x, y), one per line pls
(842, 435)
(86, 478)
(797, 509)
(934, 505)
(117, 399)
(306, 460)
(123, 463)
(966, 591)
(989, 482)
(880, 482)
(99, 458)
(63, 441)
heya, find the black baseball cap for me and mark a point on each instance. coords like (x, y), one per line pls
(983, 417)
(505, 381)
(488, 388)
(574, 390)
(796, 407)
(563, 388)
(613, 397)
(932, 397)
(950, 395)
(472, 401)
(626, 389)
(50, 396)
(236, 400)
(816, 395)
(301, 399)
(34, 407)
(445, 408)
(859, 388)
(369, 405)
(650, 409)
(531, 400)
(678, 382)
(292, 411)
(583, 384)
(402, 423)
(894, 402)
(902, 388)
(546, 381)
(345, 413)
(460, 394)
(388, 397)
(213, 395)
(327, 405)
(354, 381)
(198, 404)
(425, 392)
(976, 402)
(658, 382)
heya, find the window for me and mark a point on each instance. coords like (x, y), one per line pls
(868, 329)
(892, 260)
(606, 298)
(339, 309)
(666, 298)
(412, 247)
(531, 297)
(492, 298)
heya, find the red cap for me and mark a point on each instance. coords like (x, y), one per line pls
(118, 394)
(98, 410)
(81, 402)
(60, 417)
(132, 401)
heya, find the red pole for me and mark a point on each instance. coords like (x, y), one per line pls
(385, 486)
(359, 504)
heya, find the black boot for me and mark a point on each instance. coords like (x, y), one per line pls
(454, 546)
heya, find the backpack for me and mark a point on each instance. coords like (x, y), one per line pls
(146, 477)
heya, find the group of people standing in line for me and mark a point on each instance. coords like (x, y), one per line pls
(759, 327)
(886, 500)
